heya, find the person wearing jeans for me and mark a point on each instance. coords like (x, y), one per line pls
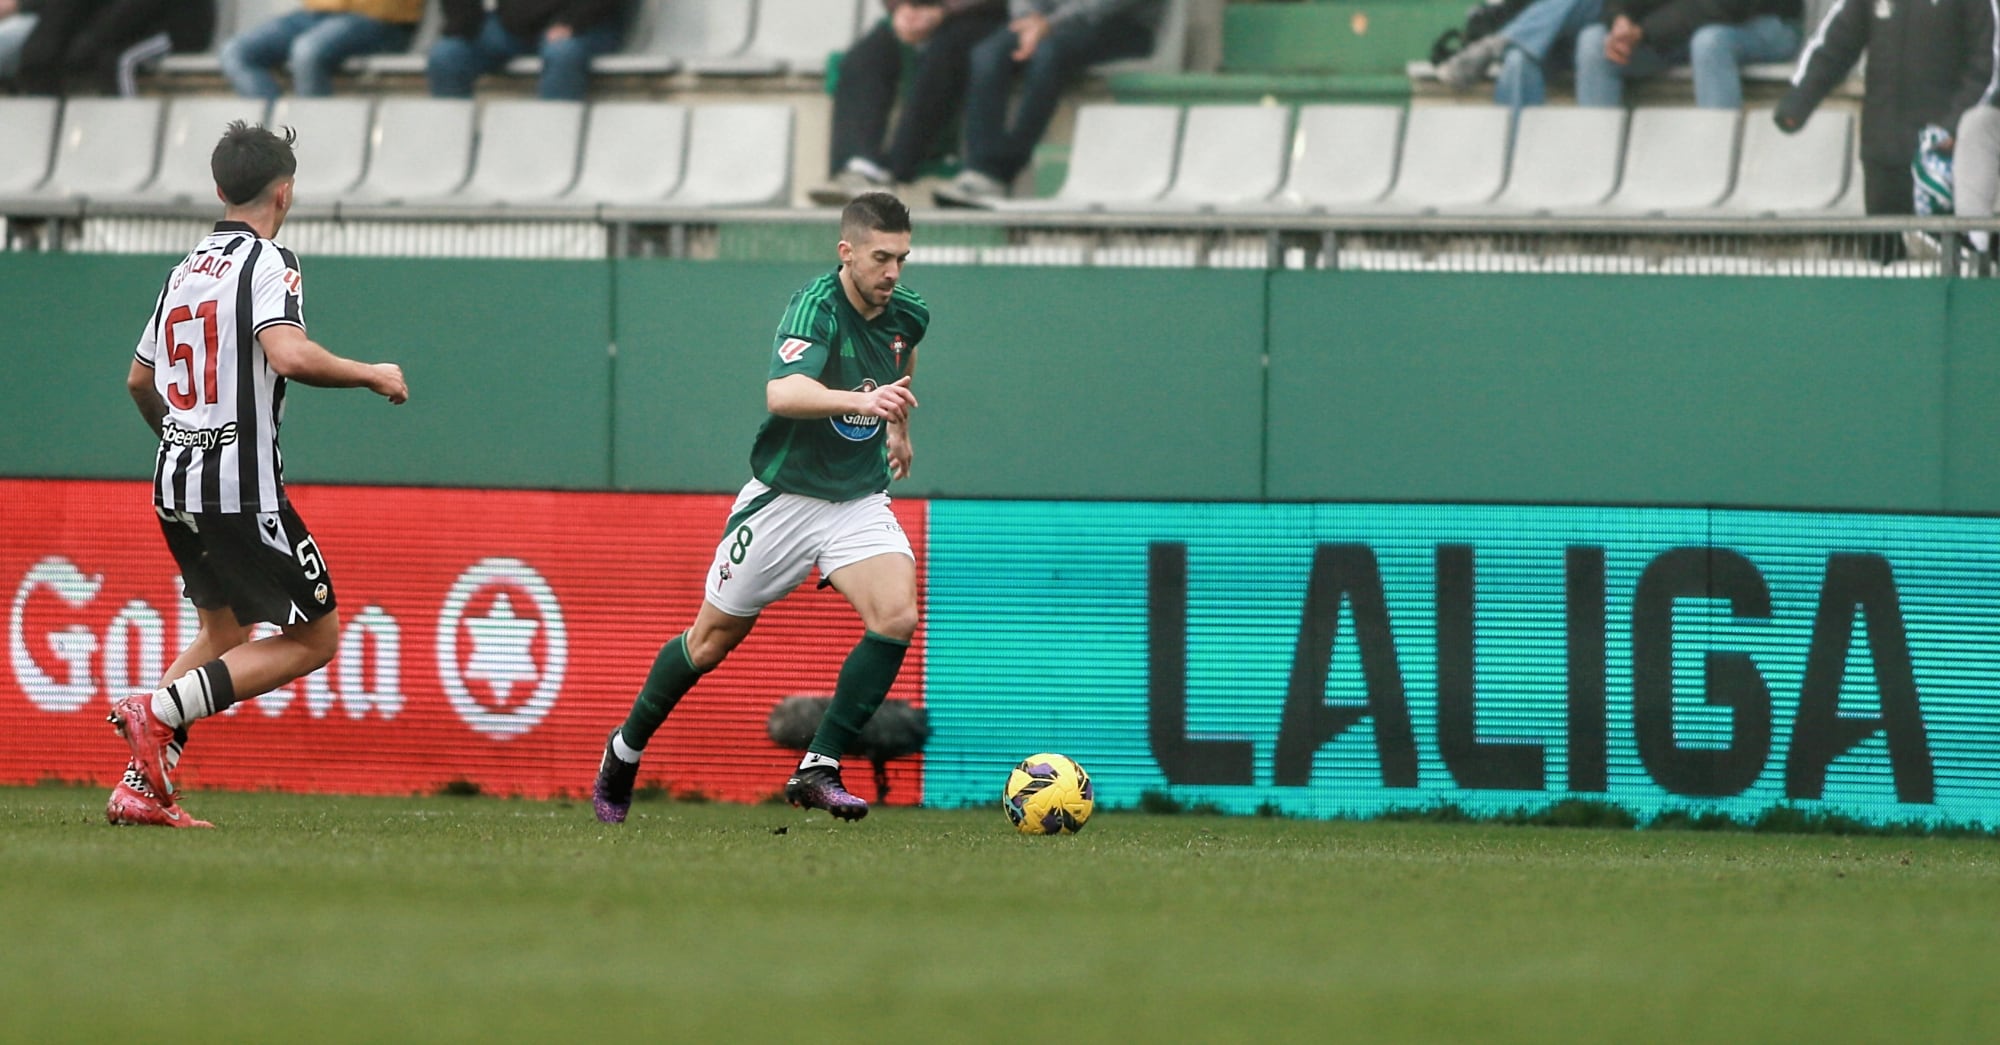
(567, 34)
(313, 42)
(920, 52)
(17, 20)
(1716, 38)
(1534, 43)
(1047, 44)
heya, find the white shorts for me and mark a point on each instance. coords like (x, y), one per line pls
(774, 540)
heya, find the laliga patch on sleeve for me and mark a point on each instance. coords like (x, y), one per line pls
(792, 348)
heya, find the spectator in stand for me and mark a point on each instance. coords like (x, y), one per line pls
(1047, 44)
(312, 43)
(1641, 38)
(567, 34)
(1533, 44)
(1929, 61)
(97, 46)
(1629, 39)
(17, 20)
(925, 44)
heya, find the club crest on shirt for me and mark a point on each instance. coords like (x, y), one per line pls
(857, 428)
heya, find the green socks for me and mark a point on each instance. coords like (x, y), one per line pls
(864, 680)
(672, 676)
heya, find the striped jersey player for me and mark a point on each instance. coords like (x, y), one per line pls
(226, 335)
(838, 433)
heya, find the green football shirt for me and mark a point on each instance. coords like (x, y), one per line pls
(821, 336)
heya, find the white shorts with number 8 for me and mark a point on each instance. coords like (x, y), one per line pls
(775, 539)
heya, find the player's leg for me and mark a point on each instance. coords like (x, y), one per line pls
(263, 567)
(676, 668)
(133, 801)
(764, 553)
(883, 590)
(869, 562)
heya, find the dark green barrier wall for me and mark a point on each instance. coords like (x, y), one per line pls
(1643, 390)
(1100, 383)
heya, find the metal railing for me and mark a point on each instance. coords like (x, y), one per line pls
(1905, 247)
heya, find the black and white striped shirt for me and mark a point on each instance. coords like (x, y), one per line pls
(219, 442)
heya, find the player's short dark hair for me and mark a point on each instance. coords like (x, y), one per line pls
(873, 212)
(249, 158)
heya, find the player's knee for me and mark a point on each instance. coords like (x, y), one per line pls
(708, 649)
(318, 641)
(899, 624)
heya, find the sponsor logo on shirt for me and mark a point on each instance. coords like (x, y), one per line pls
(857, 428)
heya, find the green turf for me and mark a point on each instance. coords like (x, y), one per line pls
(472, 919)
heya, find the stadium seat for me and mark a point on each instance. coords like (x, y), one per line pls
(1676, 159)
(1169, 46)
(636, 54)
(667, 34)
(1853, 200)
(1343, 157)
(791, 36)
(421, 149)
(1564, 159)
(1801, 173)
(106, 147)
(193, 124)
(332, 147)
(1453, 156)
(633, 153)
(738, 155)
(526, 154)
(28, 125)
(1231, 156)
(1120, 155)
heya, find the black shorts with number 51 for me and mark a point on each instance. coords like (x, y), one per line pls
(263, 565)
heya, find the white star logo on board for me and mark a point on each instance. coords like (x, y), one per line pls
(500, 642)
(510, 651)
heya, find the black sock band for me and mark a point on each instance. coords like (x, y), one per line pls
(221, 688)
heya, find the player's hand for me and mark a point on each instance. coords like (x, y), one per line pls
(900, 452)
(1028, 32)
(387, 382)
(891, 402)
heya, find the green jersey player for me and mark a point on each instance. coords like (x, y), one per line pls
(838, 432)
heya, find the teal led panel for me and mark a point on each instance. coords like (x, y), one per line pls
(1342, 660)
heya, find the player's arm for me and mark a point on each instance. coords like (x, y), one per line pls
(297, 357)
(139, 382)
(800, 397)
(901, 452)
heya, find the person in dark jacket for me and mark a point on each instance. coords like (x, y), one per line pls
(97, 46)
(1641, 38)
(567, 34)
(922, 52)
(1928, 62)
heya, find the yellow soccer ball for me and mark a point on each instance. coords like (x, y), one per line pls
(1048, 795)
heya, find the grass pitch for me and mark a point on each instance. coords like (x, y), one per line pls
(470, 919)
